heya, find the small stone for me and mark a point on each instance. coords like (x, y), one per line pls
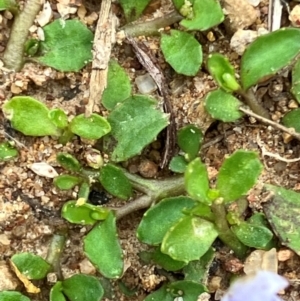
(4, 240)
(294, 16)
(254, 2)
(43, 169)
(293, 104)
(145, 84)
(214, 284)
(7, 279)
(45, 15)
(241, 39)
(148, 169)
(86, 267)
(284, 255)
(233, 265)
(240, 14)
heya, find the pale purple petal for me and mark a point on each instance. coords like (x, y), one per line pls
(263, 286)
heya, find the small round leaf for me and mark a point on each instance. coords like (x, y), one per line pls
(12, 296)
(182, 51)
(83, 214)
(238, 174)
(82, 287)
(159, 218)
(222, 71)
(115, 182)
(292, 120)
(93, 127)
(67, 45)
(29, 116)
(7, 151)
(59, 118)
(189, 139)
(268, 54)
(253, 236)
(223, 106)
(189, 239)
(118, 86)
(103, 249)
(178, 164)
(196, 181)
(66, 182)
(30, 265)
(68, 162)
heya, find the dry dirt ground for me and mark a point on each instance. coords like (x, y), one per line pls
(30, 205)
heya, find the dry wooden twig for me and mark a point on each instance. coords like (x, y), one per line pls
(103, 41)
(145, 58)
(276, 125)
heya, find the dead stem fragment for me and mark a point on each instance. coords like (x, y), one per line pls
(146, 59)
(103, 41)
(276, 125)
(13, 57)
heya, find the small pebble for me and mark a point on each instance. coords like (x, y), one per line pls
(145, 84)
(284, 255)
(43, 169)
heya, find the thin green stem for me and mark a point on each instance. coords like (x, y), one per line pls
(225, 234)
(151, 27)
(253, 104)
(54, 253)
(13, 57)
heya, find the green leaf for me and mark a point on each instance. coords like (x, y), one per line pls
(178, 164)
(188, 290)
(136, 117)
(204, 211)
(268, 54)
(133, 9)
(161, 294)
(198, 270)
(66, 182)
(7, 151)
(158, 219)
(29, 116)
(222, 71)
(59, 118)
(84, 190)
(103, 249)
(8, 5)
(93, 127)
(189, 239)
(282, 212)
(30, 265)
(196, 181)
(68, 162)
(82, 213)
(166, 262)
(56, 292)
(118, 86)
(253, 235)
(223, 106)
(296, 81)
(115, 182)
(182, 51)
(82, 287)
(238, 174)
(189, 139)
(292, 120)
(206, 14)
(67, 45)
(12, 296)
(31, 47)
